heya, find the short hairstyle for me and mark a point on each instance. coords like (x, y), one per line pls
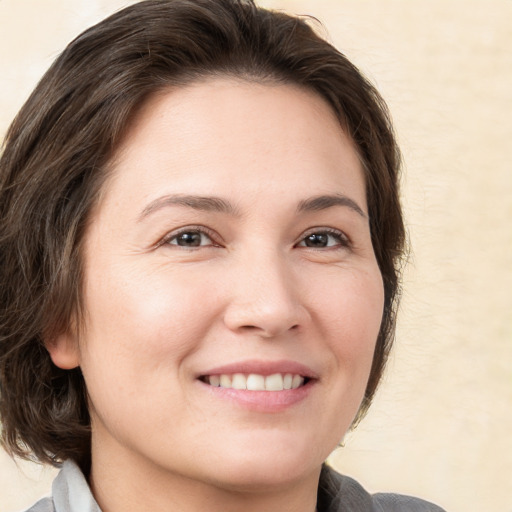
(54, 163)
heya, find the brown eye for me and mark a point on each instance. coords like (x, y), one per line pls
(324, 239)
(316, 240)
(192, 238)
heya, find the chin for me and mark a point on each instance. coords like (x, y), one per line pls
(271, 477)
(263, 466)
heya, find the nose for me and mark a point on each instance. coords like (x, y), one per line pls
(265, 298)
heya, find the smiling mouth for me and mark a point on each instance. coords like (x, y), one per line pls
(256, 382)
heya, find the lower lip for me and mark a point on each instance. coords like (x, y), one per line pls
(262, 401)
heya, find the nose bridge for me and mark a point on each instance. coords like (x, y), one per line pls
(264, 296)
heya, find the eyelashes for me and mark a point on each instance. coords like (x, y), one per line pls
(195, 237)
(323, 239)
(191, 237)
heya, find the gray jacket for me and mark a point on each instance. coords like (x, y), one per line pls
(336, 493)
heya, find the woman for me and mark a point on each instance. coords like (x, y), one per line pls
(200, 240)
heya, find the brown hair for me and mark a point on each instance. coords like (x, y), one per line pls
(54, 163)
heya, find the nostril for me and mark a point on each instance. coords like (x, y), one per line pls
(268, 320)
(255, 328)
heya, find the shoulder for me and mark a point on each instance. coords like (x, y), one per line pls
(70, 493)
(43, 505)
(399, 503)
(338, 493)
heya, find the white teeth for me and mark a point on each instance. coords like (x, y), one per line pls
(215, 380)
(256, 382)
(274, 382)
(225, 381)
(239, 381)
(297, 381)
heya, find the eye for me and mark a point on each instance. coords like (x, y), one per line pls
(190, 238)
(325, 238)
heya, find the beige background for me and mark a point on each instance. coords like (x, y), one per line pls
(441, 425)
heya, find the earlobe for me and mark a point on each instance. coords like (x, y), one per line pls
(64, 351)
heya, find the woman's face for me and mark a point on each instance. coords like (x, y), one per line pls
(231, 244)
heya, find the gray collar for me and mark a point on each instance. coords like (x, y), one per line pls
(71, 492)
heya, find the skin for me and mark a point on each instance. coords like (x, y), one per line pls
(160, 314)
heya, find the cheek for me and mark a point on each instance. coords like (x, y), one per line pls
(353, 299)
(352, 307)
(140, 327)
(148, 309)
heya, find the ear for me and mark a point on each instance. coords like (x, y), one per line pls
(64, 351)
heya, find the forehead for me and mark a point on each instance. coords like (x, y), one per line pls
(223, 134)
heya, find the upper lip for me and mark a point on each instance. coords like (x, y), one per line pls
(262, 368)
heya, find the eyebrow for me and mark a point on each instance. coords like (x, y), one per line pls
(217, 204)
(202, 203)
(323, 202)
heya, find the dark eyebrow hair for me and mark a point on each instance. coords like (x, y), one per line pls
(208, 204)
(217, 204)
(328, 201)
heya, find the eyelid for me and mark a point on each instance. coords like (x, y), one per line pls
(344, 238)
(186, 229)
